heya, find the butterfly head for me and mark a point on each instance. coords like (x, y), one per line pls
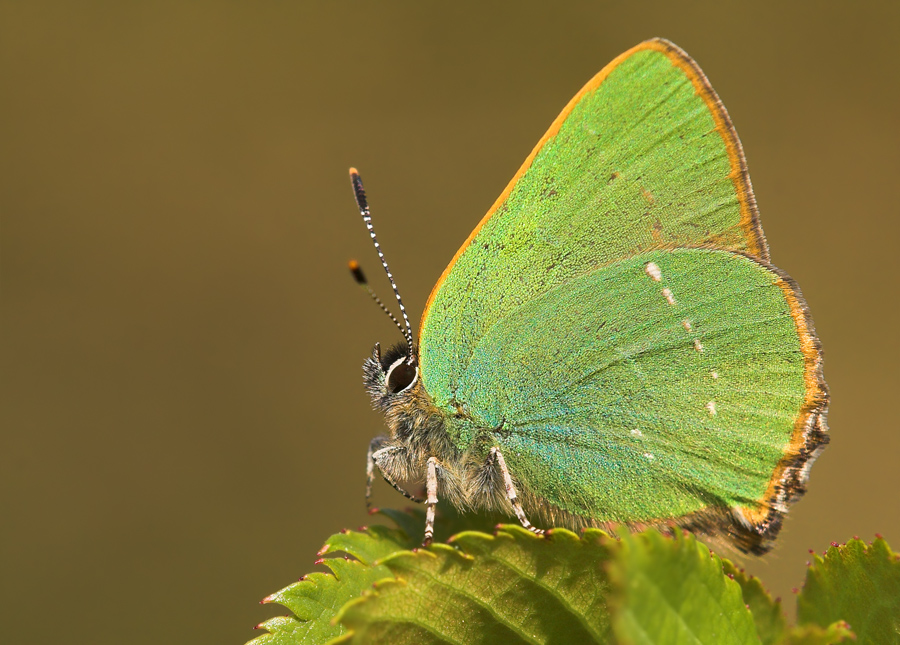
(391, 378)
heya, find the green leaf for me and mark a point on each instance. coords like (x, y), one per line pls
(369, 545)
(513, 587)
(768, 614)
(837, 632)
(672, 590)
(857, 583)
(316, 599)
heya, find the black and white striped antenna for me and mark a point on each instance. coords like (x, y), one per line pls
(360, 194)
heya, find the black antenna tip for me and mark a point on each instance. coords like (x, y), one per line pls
(358, 191)
(357, 272)
(355, 179)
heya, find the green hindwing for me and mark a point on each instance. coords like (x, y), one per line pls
(614, 327)
(652, 388)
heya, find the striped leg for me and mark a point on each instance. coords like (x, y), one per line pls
(431, 491)
(376, 453)
(497, 458)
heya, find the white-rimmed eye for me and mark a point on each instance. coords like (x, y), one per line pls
(400, 376)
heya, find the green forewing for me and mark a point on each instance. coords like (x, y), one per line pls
(637, 164)
(549, 327)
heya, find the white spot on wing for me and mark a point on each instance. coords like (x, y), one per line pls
(653, 271)
(637, 433)
(711, 406)
(649, 456)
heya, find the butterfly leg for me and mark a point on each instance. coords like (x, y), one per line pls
(370, 468)
(497, 457)
(378, 453)
(431, 491)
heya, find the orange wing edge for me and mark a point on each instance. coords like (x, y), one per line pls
(759, 526)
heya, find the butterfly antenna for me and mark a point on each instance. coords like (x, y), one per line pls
(360, 278)
(360, 194)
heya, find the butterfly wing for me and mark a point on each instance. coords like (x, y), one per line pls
(643, 160)
(672, 384)
(643, 157)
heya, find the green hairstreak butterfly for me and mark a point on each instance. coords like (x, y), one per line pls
(611, 344)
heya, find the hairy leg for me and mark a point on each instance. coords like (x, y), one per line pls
(431, 501)
(376, 453)
(496, 457)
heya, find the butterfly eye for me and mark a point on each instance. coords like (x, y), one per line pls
(400, 376)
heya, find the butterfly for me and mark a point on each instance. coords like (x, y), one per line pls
(611, 346)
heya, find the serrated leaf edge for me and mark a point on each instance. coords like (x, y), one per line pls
(456, 546)
(617, 576)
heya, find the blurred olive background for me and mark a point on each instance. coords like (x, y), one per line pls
(183, 421)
